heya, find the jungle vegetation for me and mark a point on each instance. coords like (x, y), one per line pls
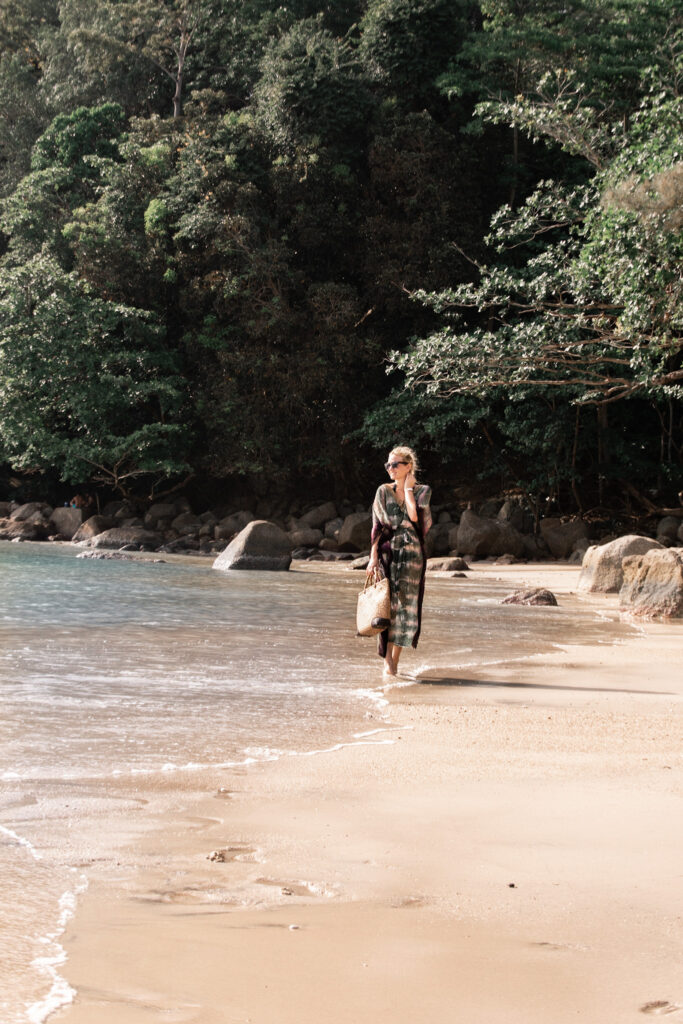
(245, 248)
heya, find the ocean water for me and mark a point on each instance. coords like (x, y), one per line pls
(145, 673)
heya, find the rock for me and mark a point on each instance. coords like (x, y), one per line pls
(512, 513)
(317, 517)
(535, 548)
(561, 537)
(333, 527)
(306, 537)
(481, 537)
(327, 544)
(22, 529)
(121, 556)
(186, 523)
(444, 517)
(161, 510)
(680, 534)
(260, 545)
(532, 596)
(360, 563)
(134, 537)
(447, 565)
(67, 521)
(230, 525)
(490, 509)
(601, 571)
(126, 511)
(438, 540)
(5, 509)
(301, 554)
(354, 534)
(92, 527)
(581, 546)
(653, 584)
(505, 560)
(667, 530)
(32, 512)
(113, 507)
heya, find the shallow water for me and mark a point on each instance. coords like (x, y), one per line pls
(144, 672)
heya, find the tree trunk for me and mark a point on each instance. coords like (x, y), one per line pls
(185, 36)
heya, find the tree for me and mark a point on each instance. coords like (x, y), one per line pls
(87, 388)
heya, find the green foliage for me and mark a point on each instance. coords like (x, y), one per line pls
(85, 385)
(85, 132)
(407, 44)
(221, 209)
(311, 91)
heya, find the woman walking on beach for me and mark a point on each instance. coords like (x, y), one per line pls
(400, 522)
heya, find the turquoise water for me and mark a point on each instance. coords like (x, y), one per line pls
(122, 679)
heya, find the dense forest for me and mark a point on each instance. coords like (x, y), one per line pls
(245, 248)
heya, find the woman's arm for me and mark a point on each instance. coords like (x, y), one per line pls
(374, 557)
(409, 492)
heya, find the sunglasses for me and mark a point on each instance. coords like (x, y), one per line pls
(393, 465)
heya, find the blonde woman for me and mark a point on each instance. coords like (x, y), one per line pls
(401, 520)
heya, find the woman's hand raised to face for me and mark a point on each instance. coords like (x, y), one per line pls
(409, 480)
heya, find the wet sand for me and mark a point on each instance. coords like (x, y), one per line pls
(506, 852)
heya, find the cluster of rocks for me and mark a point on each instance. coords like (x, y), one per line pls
(647, 575)
(645, 571)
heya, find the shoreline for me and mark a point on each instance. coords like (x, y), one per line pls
(505, 849)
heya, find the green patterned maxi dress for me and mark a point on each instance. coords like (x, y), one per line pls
(406, 560)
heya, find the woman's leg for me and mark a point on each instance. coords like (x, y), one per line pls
(389, 666)
(395, 655)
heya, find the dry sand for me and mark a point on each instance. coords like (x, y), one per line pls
(507, 852)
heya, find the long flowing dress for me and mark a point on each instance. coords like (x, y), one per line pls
(402, 555)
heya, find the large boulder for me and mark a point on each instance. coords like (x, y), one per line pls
(318, 516)
(481, 538)
(187, 523)
(305, 537)
(232, 524)
(561, 537)
(32, 512)
(355, 532)
(601, 571)
(667, 531)
(653, 584)
(22, 529)
(160, 515)
(333, 527)
(134, 537)
(438, 540)
(92, 527)
(260, 545)
(66, 521)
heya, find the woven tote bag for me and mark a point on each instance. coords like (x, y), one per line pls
(373, 613)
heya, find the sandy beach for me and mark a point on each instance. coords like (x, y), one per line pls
(504, 849)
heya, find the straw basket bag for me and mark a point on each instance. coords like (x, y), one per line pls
(373, 613)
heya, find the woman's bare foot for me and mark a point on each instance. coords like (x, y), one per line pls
(389, 669)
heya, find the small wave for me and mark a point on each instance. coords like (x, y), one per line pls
(20, 840)
(61, 993)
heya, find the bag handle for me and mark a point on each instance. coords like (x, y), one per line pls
(376, 576)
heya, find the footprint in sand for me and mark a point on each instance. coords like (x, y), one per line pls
(660, 1007)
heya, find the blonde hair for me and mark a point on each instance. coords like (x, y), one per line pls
(408, 454)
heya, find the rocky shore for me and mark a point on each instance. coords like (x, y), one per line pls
(646, 571)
